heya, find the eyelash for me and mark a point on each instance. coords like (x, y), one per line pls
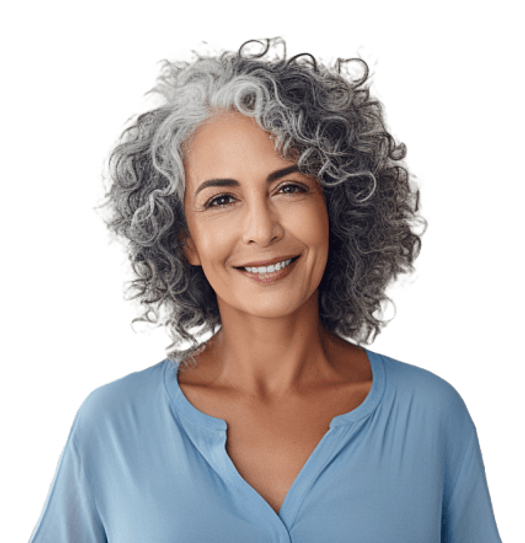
(209, 203)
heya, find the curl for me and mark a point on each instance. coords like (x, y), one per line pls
(339, 67)
(300, 55)
(267, 44)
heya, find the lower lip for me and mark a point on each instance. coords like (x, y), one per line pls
(273, 276)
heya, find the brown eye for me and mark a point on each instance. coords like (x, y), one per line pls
(211, 202)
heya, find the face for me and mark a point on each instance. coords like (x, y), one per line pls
(264, 209)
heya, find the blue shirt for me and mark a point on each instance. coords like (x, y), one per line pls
(143, 465)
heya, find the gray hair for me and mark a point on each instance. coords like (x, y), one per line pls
(322, 119)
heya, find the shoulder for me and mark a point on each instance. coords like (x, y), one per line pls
(112, 404)
(425, 393)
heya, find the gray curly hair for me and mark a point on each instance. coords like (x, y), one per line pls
(321, 118)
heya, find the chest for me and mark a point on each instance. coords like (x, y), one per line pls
(269, 453)
(270, 446)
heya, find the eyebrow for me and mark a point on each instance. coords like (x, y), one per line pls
(233, 183)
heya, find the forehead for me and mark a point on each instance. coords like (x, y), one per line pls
(230, 142)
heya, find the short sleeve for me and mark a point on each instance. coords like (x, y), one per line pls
(69, 514)
(468, 516)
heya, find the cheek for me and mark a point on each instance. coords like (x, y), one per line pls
(312, 226)
(214, 242)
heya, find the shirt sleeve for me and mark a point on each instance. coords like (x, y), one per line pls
(70, 513)
(468, 515)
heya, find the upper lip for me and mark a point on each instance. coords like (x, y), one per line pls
(267, 262)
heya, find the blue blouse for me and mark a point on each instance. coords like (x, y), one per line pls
(143, 465)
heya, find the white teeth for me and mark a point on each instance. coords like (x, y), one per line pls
(270, 269)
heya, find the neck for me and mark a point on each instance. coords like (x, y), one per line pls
(271, 359)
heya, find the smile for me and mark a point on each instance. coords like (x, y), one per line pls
(270, 277)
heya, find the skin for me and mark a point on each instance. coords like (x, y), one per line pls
(271, 347)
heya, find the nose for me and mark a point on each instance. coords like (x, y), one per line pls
(261, 223)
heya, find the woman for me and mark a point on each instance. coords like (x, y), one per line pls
(266, 203)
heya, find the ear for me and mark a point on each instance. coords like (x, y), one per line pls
(188, 248)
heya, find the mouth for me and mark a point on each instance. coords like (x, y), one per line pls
(270, 277)
(242, 267)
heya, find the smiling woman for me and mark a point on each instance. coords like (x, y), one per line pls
(259, 222)
(320, 120)
(266, 201)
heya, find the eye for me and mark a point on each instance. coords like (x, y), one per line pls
(212, 201)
